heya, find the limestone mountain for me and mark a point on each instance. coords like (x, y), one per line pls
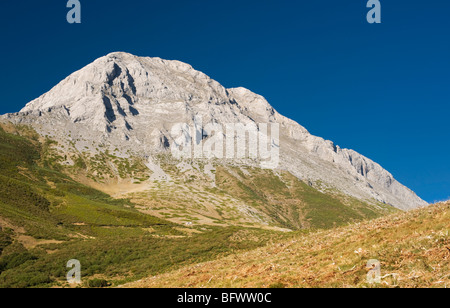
(126, 105)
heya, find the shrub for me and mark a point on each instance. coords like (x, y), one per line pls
(277, 285)
(98, 283)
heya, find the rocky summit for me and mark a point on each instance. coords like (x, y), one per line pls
(128, 105)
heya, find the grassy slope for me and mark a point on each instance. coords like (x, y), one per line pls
(413, 248)
(245, 196)
(293, 204)
(46, 219)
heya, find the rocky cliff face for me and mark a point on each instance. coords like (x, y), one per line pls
(129, 104)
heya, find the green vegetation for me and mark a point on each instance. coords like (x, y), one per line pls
(47, 218)
(5, 239)
(292, 203)
(98, 283)
(104, 165)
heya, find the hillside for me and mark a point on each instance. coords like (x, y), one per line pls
(413, 249)
(248, 197)
(47, 219)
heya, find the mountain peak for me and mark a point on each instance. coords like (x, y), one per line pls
(118, 74)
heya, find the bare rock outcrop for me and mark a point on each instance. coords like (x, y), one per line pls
(130, 103)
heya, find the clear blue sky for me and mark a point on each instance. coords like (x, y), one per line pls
(381, 89)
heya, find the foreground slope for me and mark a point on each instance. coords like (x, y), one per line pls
(413, 249)
(126, 105)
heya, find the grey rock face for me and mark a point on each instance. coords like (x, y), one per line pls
(130, 104)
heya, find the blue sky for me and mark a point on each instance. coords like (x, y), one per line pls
(380, 89)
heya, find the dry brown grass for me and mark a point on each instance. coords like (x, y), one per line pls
(413, 248)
